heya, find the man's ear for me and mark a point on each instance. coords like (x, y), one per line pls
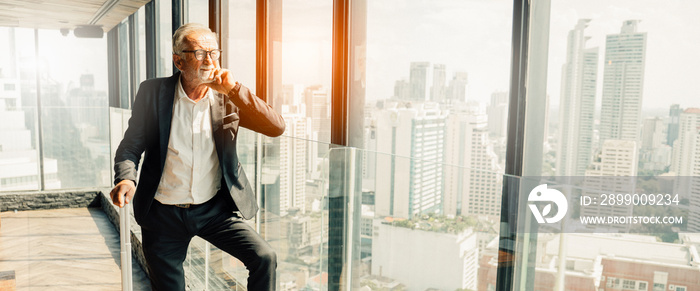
(179, 62)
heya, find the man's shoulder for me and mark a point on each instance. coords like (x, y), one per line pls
(156, 81)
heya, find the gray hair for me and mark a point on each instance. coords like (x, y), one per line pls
(185, 30)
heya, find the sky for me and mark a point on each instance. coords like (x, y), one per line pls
(466, 35)
(475, 36)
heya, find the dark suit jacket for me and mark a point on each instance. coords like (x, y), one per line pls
(149, 133)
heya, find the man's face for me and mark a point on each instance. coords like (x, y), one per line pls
(188, 63)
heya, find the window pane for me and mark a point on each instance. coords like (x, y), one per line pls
(436, 101)
(19, 153)
(618, 77)
(197, 11)
(164, 53)
(74, 113)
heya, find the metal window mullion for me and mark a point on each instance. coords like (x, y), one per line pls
(215, 23)
(177, 20)
(514, 147)
(151, 48)
(113, 66)
(261, 86)
(133, 58)
(261, 53)
(40, 131)
(339, 97)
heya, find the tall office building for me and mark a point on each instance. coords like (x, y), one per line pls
(409, 186)
(685, 161)
(437, 91)
(293, 164)
(294, 95)
(457, 90)
(685, 148)
(616, 158)
(623, 81)
(402, 90)
(577, 104)
(652, 133)
(320, 115)
(418, 80)
(673, 118)
(473, 186)
(498, 114)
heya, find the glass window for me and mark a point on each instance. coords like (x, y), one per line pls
(198, 11)
(74, 110)
(619, 105)
(164, 44)
(642, 286)
(436, 101)
(19, 150)
(238, 55)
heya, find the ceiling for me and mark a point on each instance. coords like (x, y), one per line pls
(57, 14)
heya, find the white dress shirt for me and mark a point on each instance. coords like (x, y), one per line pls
(191, 173)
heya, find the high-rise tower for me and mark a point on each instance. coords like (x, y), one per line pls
(577, 105)
(623, 81)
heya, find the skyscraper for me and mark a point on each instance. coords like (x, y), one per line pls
(457, 91)
(473, 187)
(623, 81)
(686, 148)
(419, 80)
(498, 114)
(673, 116)
(577, 105)
(409, 186)
(616, 158)
(652, 133)
(437, 91)
(293, 161)
(685, 161)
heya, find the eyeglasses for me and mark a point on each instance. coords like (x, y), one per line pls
(201, 54)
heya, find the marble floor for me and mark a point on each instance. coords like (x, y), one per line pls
(63, 249)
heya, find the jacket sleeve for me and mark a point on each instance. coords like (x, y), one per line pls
(255, 114)
(128, 154)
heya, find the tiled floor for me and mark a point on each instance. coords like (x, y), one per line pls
(63, 249)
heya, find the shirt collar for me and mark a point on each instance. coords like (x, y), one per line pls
(180, 93)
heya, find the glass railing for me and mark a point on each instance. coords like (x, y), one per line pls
(341, 217)
(387, 222)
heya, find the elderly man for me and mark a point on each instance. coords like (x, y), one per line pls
(191, 182)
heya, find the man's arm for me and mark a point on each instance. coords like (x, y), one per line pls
(255, 114)
(128, 154)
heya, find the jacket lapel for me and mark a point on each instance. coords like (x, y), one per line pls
(165, 113)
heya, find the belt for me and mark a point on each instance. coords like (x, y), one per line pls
(187, 205)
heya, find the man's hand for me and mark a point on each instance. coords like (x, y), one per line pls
(223, 81)
(123, 192)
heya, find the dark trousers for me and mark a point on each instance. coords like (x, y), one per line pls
(169, 229)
